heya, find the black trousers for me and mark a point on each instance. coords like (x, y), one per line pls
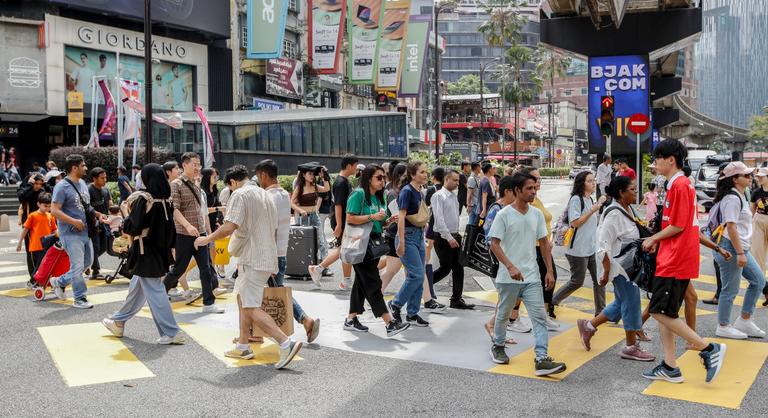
(449, 263)
(367, 286)
(99, 247)
(185, 250)
(31, 265)
(543, 272)
(37, 258)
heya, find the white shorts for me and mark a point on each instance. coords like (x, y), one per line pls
(249, 285)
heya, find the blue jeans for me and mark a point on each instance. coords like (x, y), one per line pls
(626, 305)
(313, 219)
(730, 275)
(533, 297)
(413, 260)
(152, 291)
(473, 218)
(80, 251)
(298, 313)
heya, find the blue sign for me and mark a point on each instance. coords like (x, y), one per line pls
(626, 79)
(264, 104)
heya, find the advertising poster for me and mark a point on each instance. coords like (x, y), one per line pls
(414, 54)
(326, 28)
(285, 77)
(266, 28)
(364, 23)
(173, 87)
(393, 33)
(625, 78)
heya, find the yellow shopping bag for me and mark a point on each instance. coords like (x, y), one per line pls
(222, 253)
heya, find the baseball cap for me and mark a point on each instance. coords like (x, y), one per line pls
(763, 172)
(361, 166)
(735, 168)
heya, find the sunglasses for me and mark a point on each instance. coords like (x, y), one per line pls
(380, 177)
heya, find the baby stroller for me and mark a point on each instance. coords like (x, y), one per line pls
(117, 246)
(55, 263)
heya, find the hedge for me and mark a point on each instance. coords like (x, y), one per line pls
(106, 157)
(554, 172)
(286, 181)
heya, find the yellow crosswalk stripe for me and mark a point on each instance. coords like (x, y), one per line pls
(97, 298)
(708, 279)
(18, 278)
(23, 292)
(86, 354)
(586, 293)
(743, 362)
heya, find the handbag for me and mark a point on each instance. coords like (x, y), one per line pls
(420, 218)
(354, 243)
(377, 247)
(476, 254)
(90, 213)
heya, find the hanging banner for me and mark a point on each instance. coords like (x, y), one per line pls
(285, 77)
(108, 128)
(395, 28)
(414, 55)
(326, 28)
(266, 28)
(208, 140)
(364, 26)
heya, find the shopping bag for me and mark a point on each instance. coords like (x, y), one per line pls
(221, 258)
(476, 253)
(354, 242)
(277, 302)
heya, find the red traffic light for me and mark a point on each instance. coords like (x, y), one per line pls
(606, 102)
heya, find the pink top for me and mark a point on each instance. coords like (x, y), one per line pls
(651, 198)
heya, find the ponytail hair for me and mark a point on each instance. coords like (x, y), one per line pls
(410, 171)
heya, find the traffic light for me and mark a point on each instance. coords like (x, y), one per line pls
(607, 117)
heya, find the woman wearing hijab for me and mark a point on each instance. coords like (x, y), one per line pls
(150, 224)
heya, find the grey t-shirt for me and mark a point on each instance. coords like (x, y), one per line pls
(741, 215)
(66, 195)
(585, 240)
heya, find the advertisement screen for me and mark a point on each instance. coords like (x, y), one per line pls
(173, 87)
(364, 24)
(326, 28)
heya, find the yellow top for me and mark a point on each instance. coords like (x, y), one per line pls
(547, 216)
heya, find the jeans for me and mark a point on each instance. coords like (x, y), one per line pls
(626, 305)
(152, 291)
(80, 251)
(531, 295)
(730, 275)
(298, 313)
(473, 217)
(185, 250)
(413, 261)
(100, 243)
(321, 233)
(312, 219)
(449, 263)
(759, 248)
(579, 267)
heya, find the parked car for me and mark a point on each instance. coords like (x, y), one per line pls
(575, 170)
(706, 179)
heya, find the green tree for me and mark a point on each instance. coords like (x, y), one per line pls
(504, 25)
(466, 84)
(551, 64)
(758, 126)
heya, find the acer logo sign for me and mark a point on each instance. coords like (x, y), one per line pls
(268, 13)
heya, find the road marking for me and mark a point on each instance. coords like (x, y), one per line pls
(706, 294)
(13, 263)
(86, 354)
(743, 361)
(218, 340)
(13, 269)
(23, 292)
(586, 293)
(705, 278)
(97, 298)
(19, 278)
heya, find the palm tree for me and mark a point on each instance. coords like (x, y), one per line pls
(551, 64)
(504, 25)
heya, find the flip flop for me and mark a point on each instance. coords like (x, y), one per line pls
(314, 331)
(489, 330)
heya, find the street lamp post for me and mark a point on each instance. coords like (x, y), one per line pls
(148, 78)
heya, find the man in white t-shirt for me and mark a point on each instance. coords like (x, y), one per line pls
(266, 173)
(83, 77)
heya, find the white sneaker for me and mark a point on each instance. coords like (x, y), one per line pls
(345, 284)
(175, 293)
(59, 291)
(227, 282)
(82, 304)
(177, 339)
(112, 327)
(219, 291)
(552, 325)
(315, 274)
(518, 326)
(729, 331)
(191, 296)
(213, 309)
(525, 321)
(749, 327)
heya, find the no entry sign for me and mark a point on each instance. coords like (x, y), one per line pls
(638, 123)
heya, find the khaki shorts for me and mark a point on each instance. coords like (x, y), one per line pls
(250, 285)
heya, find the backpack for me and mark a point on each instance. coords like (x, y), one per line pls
(124, 241)
(563, 234)
(716, 226)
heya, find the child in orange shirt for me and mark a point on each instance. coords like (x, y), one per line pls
(39, 224)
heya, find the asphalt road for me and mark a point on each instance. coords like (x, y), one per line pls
(190, 380)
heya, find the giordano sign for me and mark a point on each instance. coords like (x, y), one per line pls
(90, 35)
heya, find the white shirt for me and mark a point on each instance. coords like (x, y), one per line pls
(445, 208)
(282, 203)
(603, 176)
(255, 215)
(615, 230)
(731, 210)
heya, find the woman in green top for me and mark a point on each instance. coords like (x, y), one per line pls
(366, 204)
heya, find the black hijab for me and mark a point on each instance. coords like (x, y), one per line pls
(155, 181)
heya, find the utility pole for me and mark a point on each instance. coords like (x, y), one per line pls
(148, 79)
(482, 112)
(438, 110)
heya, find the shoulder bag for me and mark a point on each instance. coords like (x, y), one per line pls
(90, 213)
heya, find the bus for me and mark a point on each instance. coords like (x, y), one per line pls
(291, 137)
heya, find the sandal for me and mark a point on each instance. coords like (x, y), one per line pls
(642, 336)
(489, 330)
(251, 339)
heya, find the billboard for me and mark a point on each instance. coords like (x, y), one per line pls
(172, 88)
(364, 25)
(414, 54)
(393, 33)
(266, 28)
(285, 77)
(326, 28)
(626, 80)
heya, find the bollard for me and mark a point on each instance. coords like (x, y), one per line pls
(5, 223)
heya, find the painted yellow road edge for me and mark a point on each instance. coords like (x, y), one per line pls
(23, 292)
(87, 354)
(218, 340)
(706, 278)
(226, 300)
(97, 298)
(743, 361)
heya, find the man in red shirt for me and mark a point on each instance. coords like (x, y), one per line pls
(677, 262)
(626, 170)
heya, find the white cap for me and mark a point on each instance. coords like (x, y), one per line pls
(361, 166)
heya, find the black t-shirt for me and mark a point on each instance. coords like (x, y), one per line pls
(341, 191)
(99, 198)
(760, 199)
(431, 190)
(326, 202)
(462, 189)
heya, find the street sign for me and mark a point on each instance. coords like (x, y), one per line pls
(75, 118)
(638, 123)
(75, 100)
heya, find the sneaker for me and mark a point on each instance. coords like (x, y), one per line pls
(713, 360)
(354, 325)
(434, 307)
(246, 354)
(395, 327)
(634, 352)
(315, 275)
(175, 293)
(192, 296)
(551, 324)
(287, 354)
(31, 284)
(314, 331)
(749, 327)
(551, 311)
(712, 301)
(82, 303)
(461, 304)
(345, 284)
(729, 331)
(585, 333)
(525, 321)
(416, 321)
(327, 273)
(518, 326)
(661, 372)
(213, 309)
(178, 339)
(112, 327)
(227, 282)
(395, 311)
(546, 366)
(219, 291)
(58, 290)
(499, 355)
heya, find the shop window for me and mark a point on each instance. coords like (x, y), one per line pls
(245, 138)
(317, 137)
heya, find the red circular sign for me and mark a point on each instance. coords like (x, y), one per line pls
(638, 123)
